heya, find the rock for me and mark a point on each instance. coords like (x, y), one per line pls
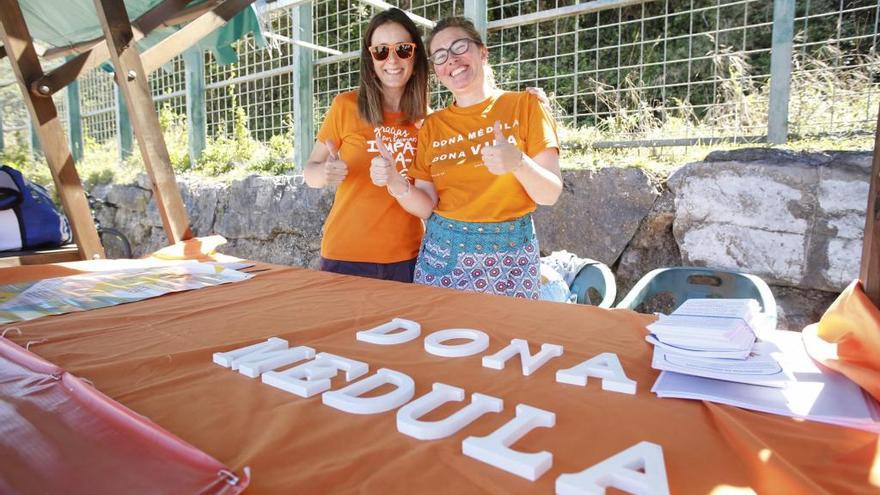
(653, 246)
(597, 213)
(793, 223)
(797, 308)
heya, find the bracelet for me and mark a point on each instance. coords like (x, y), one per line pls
(403, 194)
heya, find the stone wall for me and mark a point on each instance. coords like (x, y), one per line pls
(794, 219)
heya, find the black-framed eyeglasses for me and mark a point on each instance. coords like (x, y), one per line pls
(459, 46)
(402, 50)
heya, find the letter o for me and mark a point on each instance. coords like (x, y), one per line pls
(479, 341)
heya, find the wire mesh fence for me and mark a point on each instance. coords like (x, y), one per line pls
(631, 72)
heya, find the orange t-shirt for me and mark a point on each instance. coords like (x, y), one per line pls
(449, 155)
(366, 224)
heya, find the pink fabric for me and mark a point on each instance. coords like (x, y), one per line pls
(60, 435)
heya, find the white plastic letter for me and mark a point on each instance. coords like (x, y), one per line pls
(348, 399)
(479, 341)
(379, 335)
(253, 360)
(605, 366)
(271, 344)
(495, 449)
(314, 377)
(530, 363)
(622, 471)
(407, 416)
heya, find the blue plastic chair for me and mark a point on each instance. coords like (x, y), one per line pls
(596, 276)
(678, 284)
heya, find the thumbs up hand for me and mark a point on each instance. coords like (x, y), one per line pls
(502, 157)
(382, 166)
(335, 169)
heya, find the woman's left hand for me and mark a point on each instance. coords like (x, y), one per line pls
(542, 96)
(502, 157)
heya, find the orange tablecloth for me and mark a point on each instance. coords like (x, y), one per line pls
(155, 357)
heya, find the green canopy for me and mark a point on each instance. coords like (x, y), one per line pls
(59, 24)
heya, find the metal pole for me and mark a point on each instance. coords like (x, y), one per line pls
(303, 71)
(476, 11)
(123, 126)
(74, 121)
(2, 140)
(780, 71)
(194, 67)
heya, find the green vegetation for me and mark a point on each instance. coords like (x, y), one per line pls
(640, 73)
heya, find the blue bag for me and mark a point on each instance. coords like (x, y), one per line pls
(28, 218)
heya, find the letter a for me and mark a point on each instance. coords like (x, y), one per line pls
(605, 366)
(639, 470)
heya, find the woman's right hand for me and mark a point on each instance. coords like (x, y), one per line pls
(334, 169)
(382, 169)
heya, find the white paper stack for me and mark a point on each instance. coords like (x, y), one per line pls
(714, 338)
(811, 392)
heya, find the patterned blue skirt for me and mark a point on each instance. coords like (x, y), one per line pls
(492, 257)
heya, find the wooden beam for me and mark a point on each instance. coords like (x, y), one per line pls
(97, 50)
(870, 272)
(26, 67)
(39, 256)
(172, 46)
(132, 80)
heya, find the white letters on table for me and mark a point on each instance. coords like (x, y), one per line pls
(530, 363)
(407, 416)
(479, 341)
(314, 377)
(379, 335)
(495, 450)
(622, 471)
(605, 366)
(271, 344)
(348, 399)
(254, 360)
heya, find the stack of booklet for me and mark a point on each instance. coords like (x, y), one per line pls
(708, 350)
(715, 338)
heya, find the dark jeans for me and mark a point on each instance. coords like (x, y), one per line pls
(402, 271)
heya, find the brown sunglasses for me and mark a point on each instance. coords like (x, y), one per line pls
(402, 50)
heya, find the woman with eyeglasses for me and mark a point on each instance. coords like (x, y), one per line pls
(367, 233)
(482, 165)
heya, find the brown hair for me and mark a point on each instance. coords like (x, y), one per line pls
(414, 103)
(462, 23)
(470, 30)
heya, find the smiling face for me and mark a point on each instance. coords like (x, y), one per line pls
(462, 73)
(393, 72)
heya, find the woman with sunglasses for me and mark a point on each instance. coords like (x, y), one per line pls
(482, 165)
(367, 233)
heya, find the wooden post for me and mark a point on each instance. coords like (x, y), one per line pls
(74, 121)
(196, 119)
(870, 273)
(132, 80)
(23, 59)
(123, 127)
(303, 96)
